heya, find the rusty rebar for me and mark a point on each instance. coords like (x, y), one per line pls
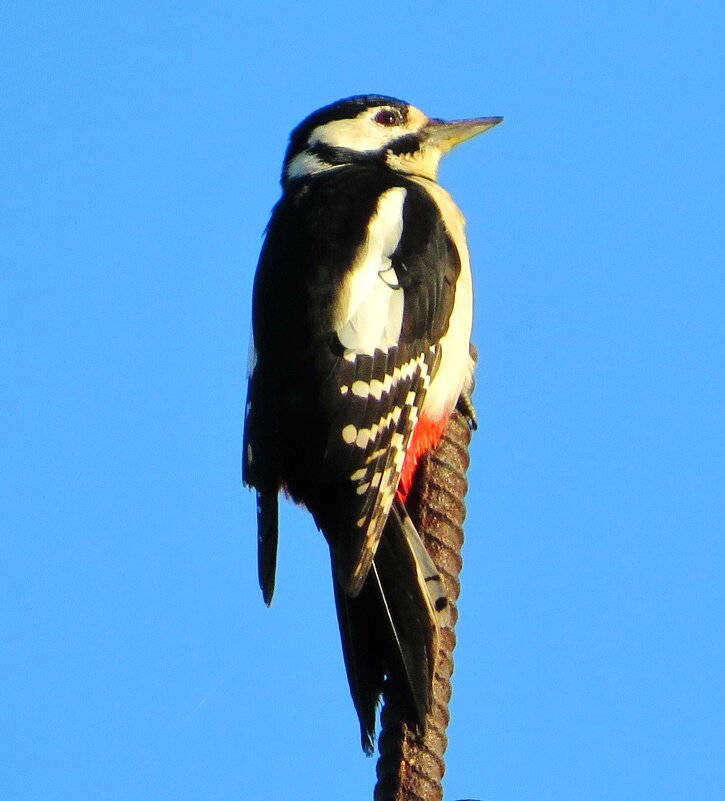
(411, 767)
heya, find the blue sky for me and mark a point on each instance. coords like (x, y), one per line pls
(141, 146)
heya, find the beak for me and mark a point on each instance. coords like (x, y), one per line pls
(446, 135)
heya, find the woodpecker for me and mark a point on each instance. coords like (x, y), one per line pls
(361, 323)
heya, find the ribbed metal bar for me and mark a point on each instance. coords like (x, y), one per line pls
(410, 767)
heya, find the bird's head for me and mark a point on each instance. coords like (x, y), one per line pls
(374, 129)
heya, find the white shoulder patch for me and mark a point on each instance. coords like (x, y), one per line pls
(369, 312)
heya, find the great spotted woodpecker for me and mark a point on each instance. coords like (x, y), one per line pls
(361, 321)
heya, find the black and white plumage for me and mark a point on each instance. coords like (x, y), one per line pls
(362, 315)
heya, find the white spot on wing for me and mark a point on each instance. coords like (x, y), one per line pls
(251, 354)
(349, 433)
(376, 389)
(361, 389)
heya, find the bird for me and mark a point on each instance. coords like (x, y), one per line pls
(362, 309)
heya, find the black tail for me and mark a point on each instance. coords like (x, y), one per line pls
(390, 630)
(267, 527)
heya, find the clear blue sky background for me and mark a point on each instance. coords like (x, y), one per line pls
(140, 147)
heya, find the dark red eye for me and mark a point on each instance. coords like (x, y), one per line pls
(387, 117)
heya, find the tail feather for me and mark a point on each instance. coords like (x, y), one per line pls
(391, 629)
(426, 571)
(363, 650)
(267, 535)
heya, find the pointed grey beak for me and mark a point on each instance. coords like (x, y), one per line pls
(446, 135)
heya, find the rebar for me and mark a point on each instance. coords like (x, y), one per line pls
(411, 766)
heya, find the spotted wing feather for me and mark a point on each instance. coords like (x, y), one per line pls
(371, 432)
(371, 436)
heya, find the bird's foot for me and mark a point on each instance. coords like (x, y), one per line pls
(467, 409)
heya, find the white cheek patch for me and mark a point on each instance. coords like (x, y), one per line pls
(370, 306)
(361, 133)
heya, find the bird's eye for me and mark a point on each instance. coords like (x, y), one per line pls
(387, 117)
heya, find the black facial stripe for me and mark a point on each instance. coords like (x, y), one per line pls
(343, 155)
(409, 144)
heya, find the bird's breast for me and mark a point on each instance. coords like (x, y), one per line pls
(455, 371)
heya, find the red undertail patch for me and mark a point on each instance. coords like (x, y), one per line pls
(426, 435)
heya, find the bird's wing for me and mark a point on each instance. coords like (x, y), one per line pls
(390, 313)
(351, 298)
